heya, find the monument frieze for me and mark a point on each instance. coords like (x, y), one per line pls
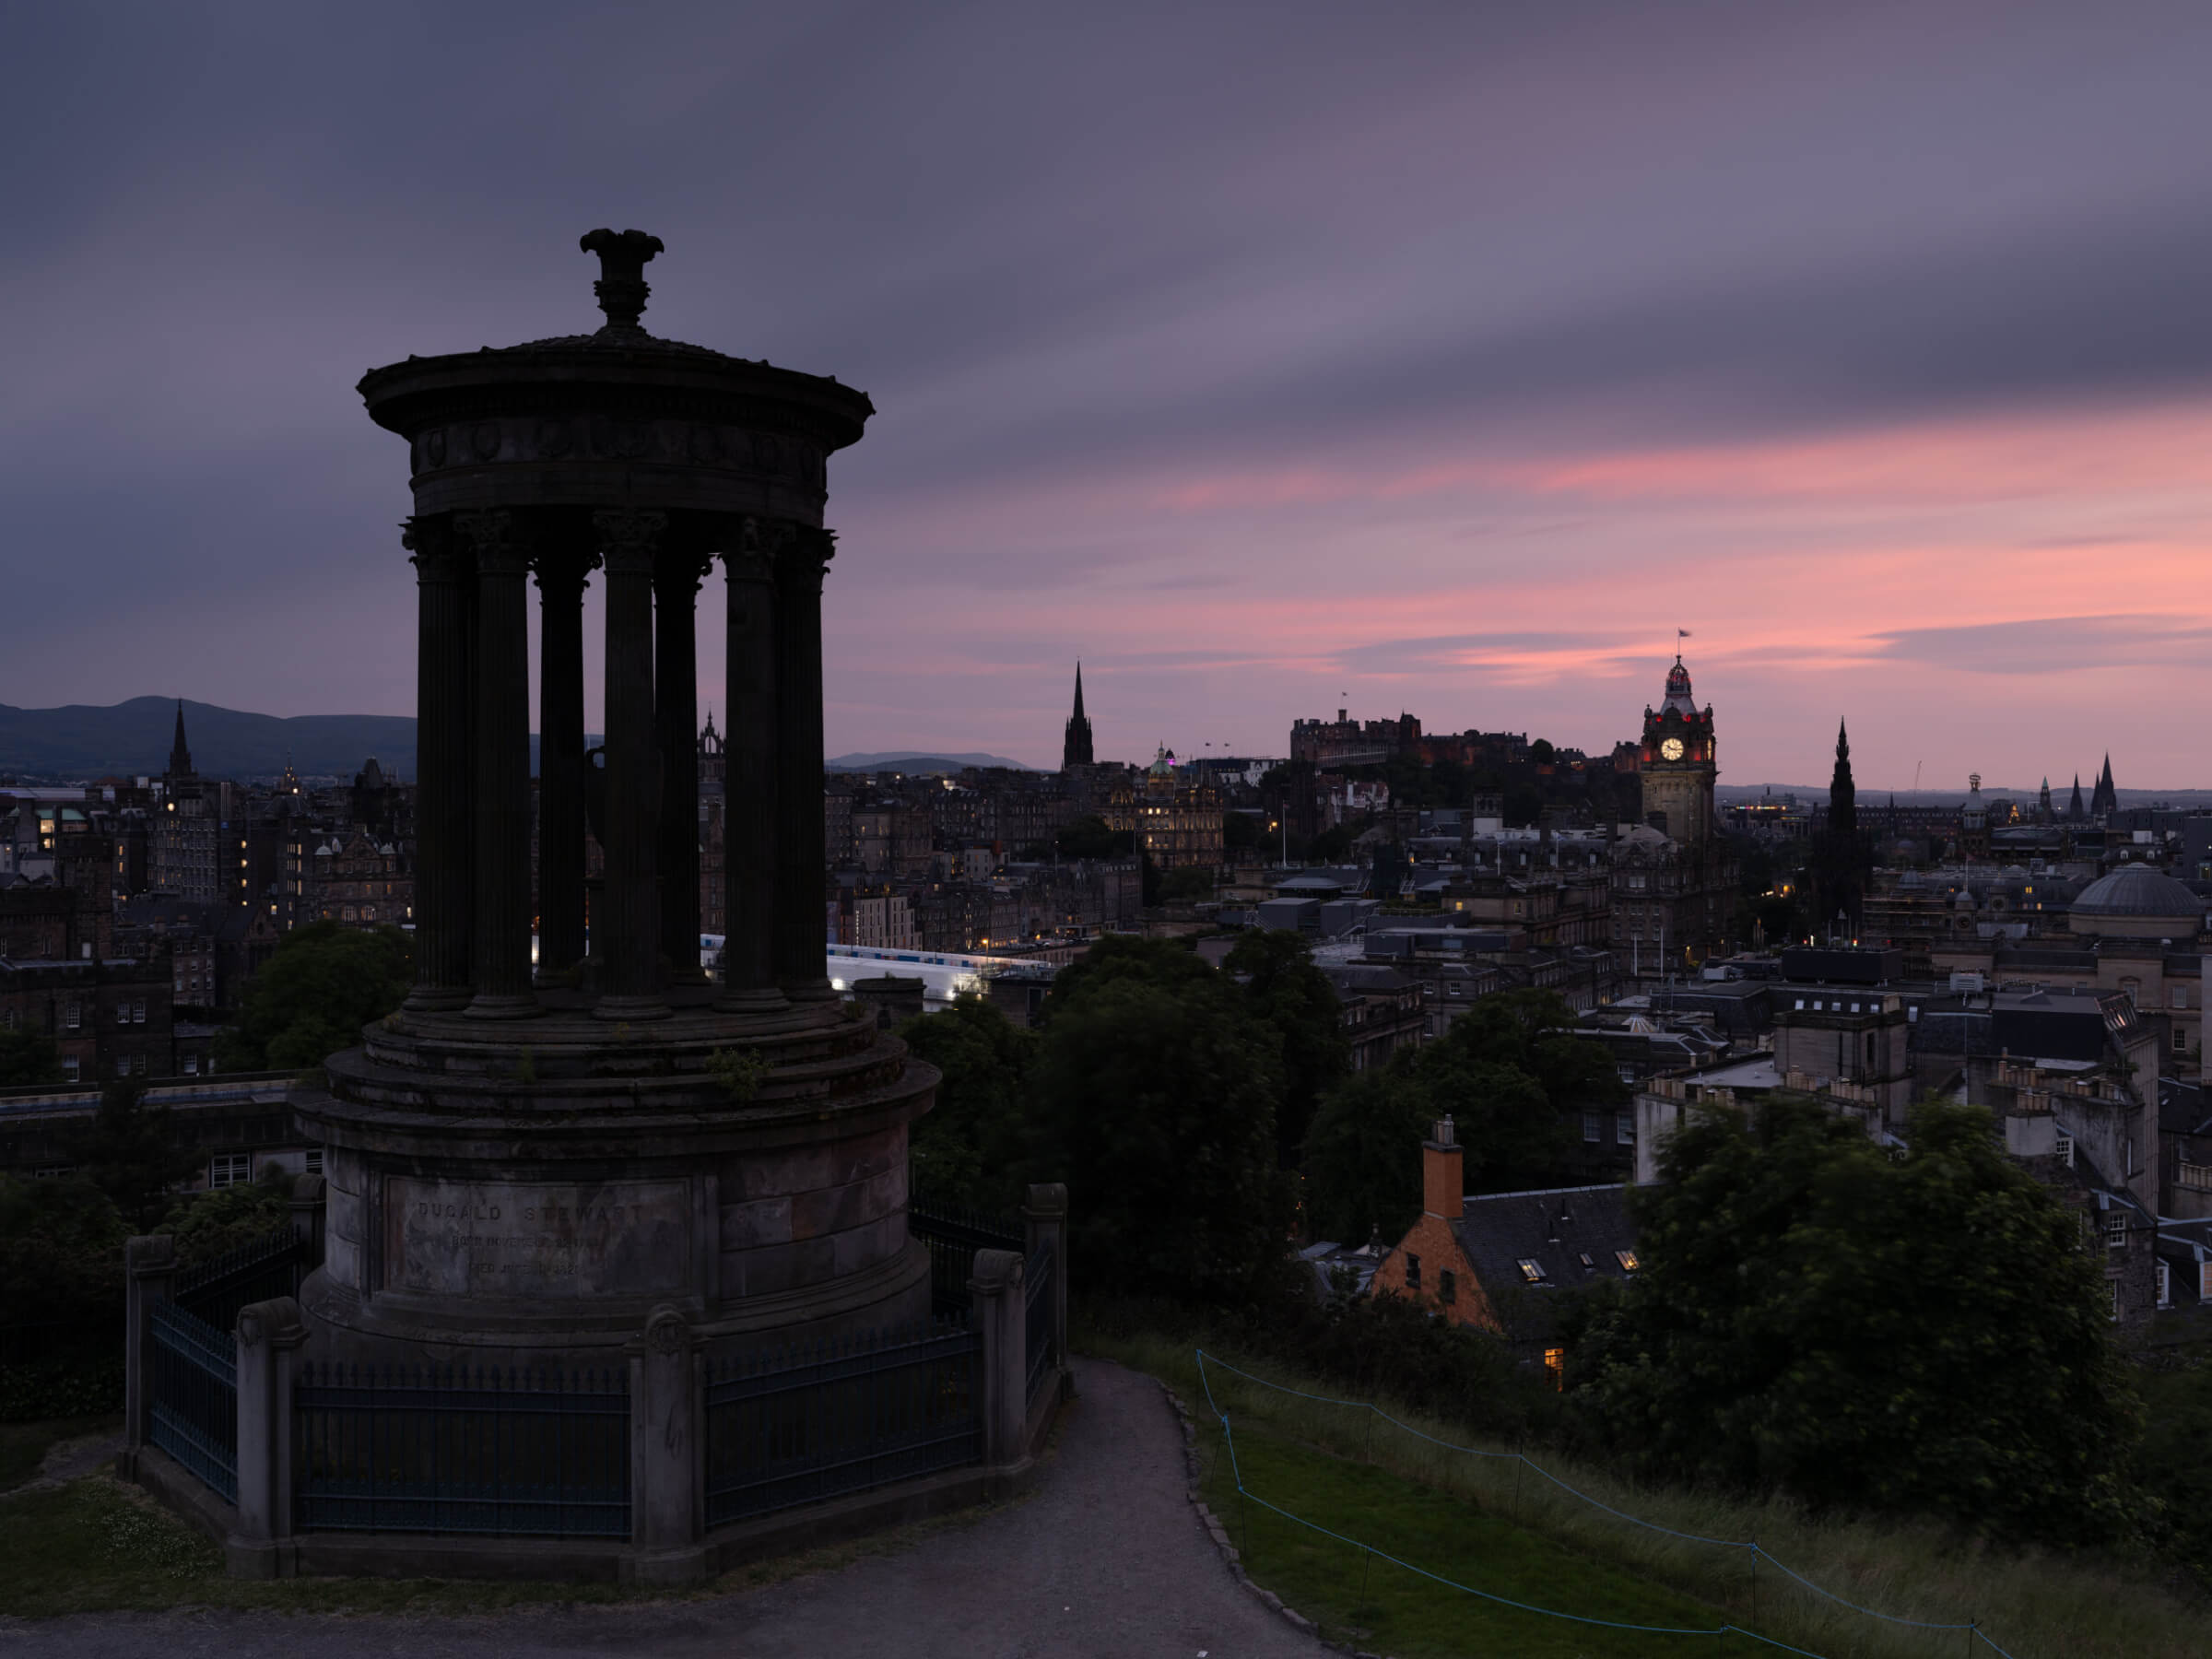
(622, 1238)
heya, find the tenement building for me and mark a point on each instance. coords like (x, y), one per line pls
(1178, 822)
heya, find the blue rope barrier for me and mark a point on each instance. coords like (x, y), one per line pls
(1752, 1545)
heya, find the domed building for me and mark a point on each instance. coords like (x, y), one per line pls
(2137, 902)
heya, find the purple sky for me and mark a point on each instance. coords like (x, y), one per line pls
(1269, 359)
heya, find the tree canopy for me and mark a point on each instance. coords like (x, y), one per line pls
(1363, 1158)
(1155, 1099)
(1512, 1072)
(131, 1152)
(968, 1150)
(1297, 1003)
(27, 1058)
(1861, 1327)
(321, 985)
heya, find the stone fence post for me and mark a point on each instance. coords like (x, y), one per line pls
(150, 1266)
(994, 1284)
(269, 1334)
(306, 1211)
(1044, 1220)
(667, 1512)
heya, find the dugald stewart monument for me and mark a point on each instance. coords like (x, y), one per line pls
(529, 1164)
(612, 1273)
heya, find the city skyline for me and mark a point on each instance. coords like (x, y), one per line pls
(1451, 373)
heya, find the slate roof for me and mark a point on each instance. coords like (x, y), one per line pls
(1556, 1227)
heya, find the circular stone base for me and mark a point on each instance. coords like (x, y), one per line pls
(503, 1192)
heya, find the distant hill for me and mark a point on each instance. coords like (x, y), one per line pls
(917, 760)
(130, 740)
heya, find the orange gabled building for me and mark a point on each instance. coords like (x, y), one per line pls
(1462, 1252)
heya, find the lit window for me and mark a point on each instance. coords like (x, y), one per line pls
(1555, 1367)
(1626, 1258)
(1532, 1270)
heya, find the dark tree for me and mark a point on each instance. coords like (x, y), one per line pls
(1916, 1330)
(1514, 1076)
(131, 1152)
(1363, 1158)
(1116, 957)
(1155, 1105)
(968, 1150)
(1089, 838)
(61, 1250)
(27, 1058)
(312, 997)
(1299, 1006)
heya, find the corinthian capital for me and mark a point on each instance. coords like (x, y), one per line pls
(802, 560)
(498, 539)
(433, 549)
(628, 537)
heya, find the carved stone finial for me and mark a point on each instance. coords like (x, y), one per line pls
(621, 288)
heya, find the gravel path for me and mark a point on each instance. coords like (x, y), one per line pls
(1108, 1558)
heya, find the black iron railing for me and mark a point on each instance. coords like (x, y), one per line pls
(1037, 1329)
(265, 1267)
(799, 1424)
(192, 1407)
(506, 1453)
(953, 1235)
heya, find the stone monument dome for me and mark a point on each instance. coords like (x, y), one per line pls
(544, 1146)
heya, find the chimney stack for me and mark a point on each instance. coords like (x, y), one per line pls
(1443, 1189)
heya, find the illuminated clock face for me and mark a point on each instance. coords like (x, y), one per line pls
(1672, 748)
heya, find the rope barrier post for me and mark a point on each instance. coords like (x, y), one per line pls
(1370, 1453)
(1520, 1458)
(1973, 1630)
(1755, 1583)
(1367, 1565)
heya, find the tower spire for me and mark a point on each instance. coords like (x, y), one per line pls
(1075, 748)
(180, 756)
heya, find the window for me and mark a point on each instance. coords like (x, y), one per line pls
(2165, 1285)
(69, 1068)
(2065, 1149)
(1626, 1258)
(1593, 1127)
(2114, 1288)
(192, 1066)
(123, 1066)
(1532, 1270)
(1624, 1128)
(1555, 1367)
(1413, 1271)
(2177, 996)
(230, 1169)
(1588, 1265)
(2203, 1281)
(2115, 1230)
(1447, 1287)
(2181, 1041)
(314, 1160)
(138, 1013)
(52, 1171)
(73, 1016)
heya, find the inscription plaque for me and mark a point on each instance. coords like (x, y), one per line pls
(621, 1238)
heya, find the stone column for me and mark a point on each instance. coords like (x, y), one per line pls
(667, 1510)
(499, 943)
(150, 1263)
(562, 570)
(748, 819)
(677, 576)
(444, 855)
(269, 1334)
(628, 941)
(800, 567)
(1045, 1221)
(994, 1288)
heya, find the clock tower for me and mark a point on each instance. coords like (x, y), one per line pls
(1676, 764)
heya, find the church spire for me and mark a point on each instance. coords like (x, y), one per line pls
(1075, 748)
(2104, 799)
(180, 756)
